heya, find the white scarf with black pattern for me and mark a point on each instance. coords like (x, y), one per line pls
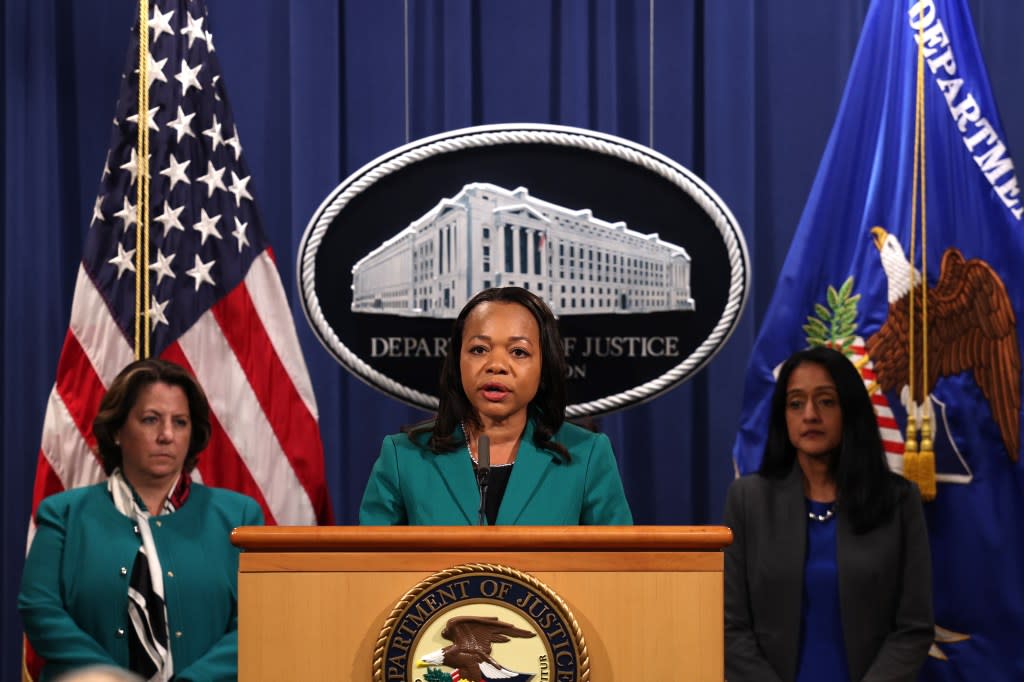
(148, 640)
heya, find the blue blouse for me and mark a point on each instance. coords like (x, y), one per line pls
(822, 650)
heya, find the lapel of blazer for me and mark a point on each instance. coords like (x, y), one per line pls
(456, 471)
(791, 513)
(527, 473)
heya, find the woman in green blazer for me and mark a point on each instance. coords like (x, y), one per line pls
(139, 572)
(503, 379)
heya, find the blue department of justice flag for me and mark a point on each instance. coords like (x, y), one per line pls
(847, 280)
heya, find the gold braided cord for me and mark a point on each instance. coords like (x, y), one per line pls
(919, 456)
(926, 418)
(927, 447)
(144, 181)
(143, 63)
(142, 192)
(911, 441)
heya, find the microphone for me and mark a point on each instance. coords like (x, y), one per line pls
(483, 473)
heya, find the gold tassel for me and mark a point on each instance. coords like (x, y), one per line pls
(911, 457)
(926, 464)
(919, 462)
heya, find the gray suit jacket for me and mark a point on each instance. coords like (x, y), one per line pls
(885, 588)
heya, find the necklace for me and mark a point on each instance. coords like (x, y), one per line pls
(469, 448)
(829, 513)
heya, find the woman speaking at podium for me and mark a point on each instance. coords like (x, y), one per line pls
(499, 450)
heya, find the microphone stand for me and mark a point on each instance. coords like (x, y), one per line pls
(483, 474)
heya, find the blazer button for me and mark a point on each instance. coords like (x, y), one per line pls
(135, 529)
(120, 632)
(170, 574)
(178, 633)
(124, 571)
(159, 524)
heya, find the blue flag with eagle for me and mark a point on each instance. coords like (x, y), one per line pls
(847, 281)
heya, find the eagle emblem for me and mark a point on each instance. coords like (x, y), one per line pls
(481, 623)
(971, 327)
(469, 653)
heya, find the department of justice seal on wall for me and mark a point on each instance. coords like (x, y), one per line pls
(642, 263)
(477, 622)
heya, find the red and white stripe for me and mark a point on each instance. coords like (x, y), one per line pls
(892, 437)
(265, 440)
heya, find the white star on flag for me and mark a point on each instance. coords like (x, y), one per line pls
(213, 132)
(97, 211)
(176, 171)
(132, 166)
(124, 260)
(160, 23)
(207, 226)
(162, 266)
(235, 144)
(214, 178)
(238, 188)
(155, 70)
(169, 218)
(156, 312)
(239, 234)
(127, 213)
(201, 272)
(150, 119)
(182, 124)
(188, 77)
(194, 30)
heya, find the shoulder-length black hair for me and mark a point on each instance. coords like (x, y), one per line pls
(865, 488)
(547, 408)
(124, 391)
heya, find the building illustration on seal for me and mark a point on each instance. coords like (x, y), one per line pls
(488, 236)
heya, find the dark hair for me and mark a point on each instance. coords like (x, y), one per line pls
(120, 398)
(865, 487)
(547, 408)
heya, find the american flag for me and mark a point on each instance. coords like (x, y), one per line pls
(216, 304)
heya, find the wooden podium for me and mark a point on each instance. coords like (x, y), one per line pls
(312, 600)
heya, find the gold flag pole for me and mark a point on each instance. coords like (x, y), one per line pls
(142, 192)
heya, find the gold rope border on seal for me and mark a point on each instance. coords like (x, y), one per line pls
(583, 669)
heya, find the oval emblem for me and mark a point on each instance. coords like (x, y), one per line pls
(481, 622)
(643, 264)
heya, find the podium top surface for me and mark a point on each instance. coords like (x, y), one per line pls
(498, 538)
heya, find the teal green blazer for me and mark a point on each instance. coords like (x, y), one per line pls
(74, 592)
(410, 485)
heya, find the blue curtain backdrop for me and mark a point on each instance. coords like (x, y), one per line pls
(744, 93)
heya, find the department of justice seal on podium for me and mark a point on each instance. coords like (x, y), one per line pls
(481, 622)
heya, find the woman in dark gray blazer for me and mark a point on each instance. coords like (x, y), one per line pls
(829, 575)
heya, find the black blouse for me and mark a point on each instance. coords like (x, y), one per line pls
(496, 484)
